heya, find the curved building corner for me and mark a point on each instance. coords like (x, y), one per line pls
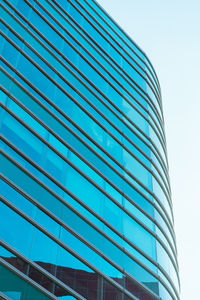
(86, 210)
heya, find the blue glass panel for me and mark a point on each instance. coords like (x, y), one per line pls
(82, 124)
(17, 288)
(130, 227)
(48, 120)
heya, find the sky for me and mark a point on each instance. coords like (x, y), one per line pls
(169, 33)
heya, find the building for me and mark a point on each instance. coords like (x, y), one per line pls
(86, 209)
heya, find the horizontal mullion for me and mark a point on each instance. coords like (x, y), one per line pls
(110, 38)
(67, 204)
(73, 209)
(141, 55)
(77, 235)
(41, 170)
(40, 5)
(79, 214)
(70, 250)
(4, 297)
(97, 170)
(69, 147)
(93, 168)
(119, 132)
(27, 279)
(96, 95)
(121, 37)
(83, 143)
(89, 114)
(83, 109)
(41, 270)
(93, 24)
(53, 216)
(91, 65)
(99, 188)
(132, 257)
(103, 50)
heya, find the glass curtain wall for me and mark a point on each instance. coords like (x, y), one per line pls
(86, 210)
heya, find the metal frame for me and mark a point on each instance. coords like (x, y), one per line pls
(68, 192)
(97, 47)
(89, 114)
(162, 142)
(130, 39)
(128, 139)
(27, 279)
(89, 244)
(4, 297)
(74, 253)
(124, 115)
(87, 177)
(68, 146)
(151, 70)
(112, 158)
(154, 90)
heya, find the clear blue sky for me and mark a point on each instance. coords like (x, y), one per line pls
(169, 33)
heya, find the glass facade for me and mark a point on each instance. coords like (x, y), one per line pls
(86, 209)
